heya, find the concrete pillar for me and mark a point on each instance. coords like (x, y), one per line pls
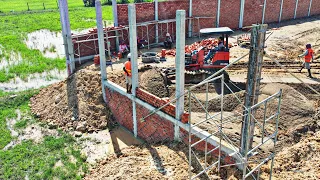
(218, 14)
(64, 35)
(295, 9)
(156, 17)
(67, 34)
(102, 53)
(180, 66)
(242, 2)
(309, 9)
(134, 60)
(258, 34)
(190, 20)
(115, 13)
(264, 11)
(281, 8)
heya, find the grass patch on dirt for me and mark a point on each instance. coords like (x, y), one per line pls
(55, 157)
(8, 105)
(14, 29)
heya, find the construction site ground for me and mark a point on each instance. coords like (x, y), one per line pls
(298, 148)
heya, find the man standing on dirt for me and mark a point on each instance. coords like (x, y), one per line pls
(308, 58)
(127, 72)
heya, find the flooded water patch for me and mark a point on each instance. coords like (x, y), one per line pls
(9, 59)
(48, 42)
(34, 81)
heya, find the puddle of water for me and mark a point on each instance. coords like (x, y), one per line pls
(34, 81)
(48, 42)
(14, 59)
(95, 146)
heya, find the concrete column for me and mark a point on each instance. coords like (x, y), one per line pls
(134, 60)
(156, 14)
(218, 14)
(70, 61)
(281, 8)
(180, 66)
(242, 2)
(295, 9)
(190, 20)
(264, 11)
(258, 34)
(115, 22)
(64, 35)
(102, 53)
(115, 13)
(309, 10)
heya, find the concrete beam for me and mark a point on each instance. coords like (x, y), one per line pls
(102, 53)
(115, 13)
(295, 9)
(309, 9)
(156, 14)
(64, 35)
(70, 59)
(134, 60)
(180, 66)
(264, 11)
(242, 3)
(190, 20)
(218, 14)
(281, 8)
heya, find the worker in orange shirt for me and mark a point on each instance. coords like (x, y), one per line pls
(308, 58)
(127, 72)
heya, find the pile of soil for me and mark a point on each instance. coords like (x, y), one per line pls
(300, 161)
(152, 81)
(73, 104)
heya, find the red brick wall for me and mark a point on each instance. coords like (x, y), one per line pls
(229, 13)
(154, 129)
(144, 12)
(252, 12)
(167, 9)
(315, 8)
(288, 9)
(272, 11)
(303, 7)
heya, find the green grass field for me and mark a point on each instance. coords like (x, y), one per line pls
(14, 29)
(21, 5)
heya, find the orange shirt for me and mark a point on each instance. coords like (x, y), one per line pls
(127, 66)
(308, 57)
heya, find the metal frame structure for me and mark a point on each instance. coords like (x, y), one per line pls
(218, 120)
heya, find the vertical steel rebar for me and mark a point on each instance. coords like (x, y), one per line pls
(190, 159)
(221, 118)
(207, 89)
(276, 134)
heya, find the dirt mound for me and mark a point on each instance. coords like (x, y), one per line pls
(295, 107)
(73, 104)
(152, 81)
(300, 161)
